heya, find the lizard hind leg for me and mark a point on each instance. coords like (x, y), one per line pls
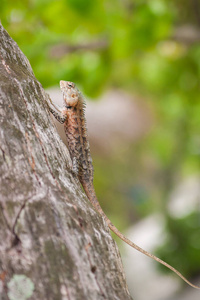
(75, 166)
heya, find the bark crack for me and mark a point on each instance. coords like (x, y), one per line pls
(16, 240)
(31, 160)
(3, 154)
(18, 216)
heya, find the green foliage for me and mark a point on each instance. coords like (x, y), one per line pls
(38, 25)
(183, 238)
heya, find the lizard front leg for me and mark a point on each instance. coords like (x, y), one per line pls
(58, 112)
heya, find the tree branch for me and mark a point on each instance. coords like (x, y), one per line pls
(64, 249)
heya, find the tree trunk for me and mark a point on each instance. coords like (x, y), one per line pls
(53, 244)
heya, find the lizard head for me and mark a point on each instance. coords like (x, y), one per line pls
(70, 93)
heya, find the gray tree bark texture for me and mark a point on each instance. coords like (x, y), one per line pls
(53, 244)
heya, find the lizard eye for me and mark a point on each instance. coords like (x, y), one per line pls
(70, 84)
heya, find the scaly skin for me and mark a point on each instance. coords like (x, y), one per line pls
(72, 115)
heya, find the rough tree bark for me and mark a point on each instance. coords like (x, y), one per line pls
(53, 244)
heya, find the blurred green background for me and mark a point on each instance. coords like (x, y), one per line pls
(147, 48)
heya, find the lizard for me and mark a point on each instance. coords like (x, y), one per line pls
(72, 115)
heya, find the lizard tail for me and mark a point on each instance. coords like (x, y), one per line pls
(90, 192)
(126, 240)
